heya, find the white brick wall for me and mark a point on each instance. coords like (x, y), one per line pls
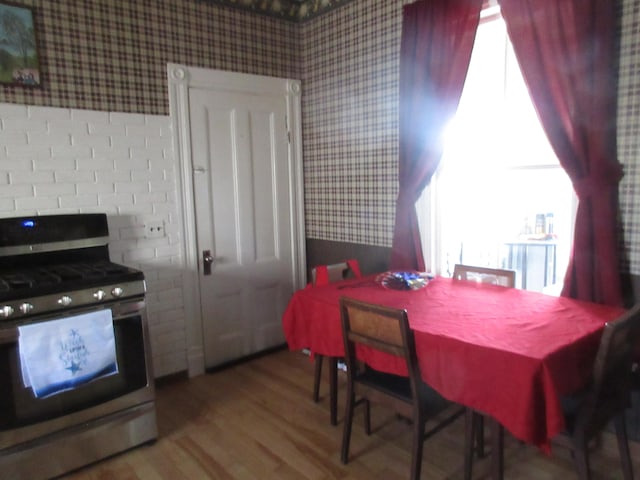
(55, 160)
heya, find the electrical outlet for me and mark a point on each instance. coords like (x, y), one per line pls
(154, 229)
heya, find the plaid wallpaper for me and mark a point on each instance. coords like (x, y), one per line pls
(111, 55)
(350, 117)
(350, 72)
(629, 133)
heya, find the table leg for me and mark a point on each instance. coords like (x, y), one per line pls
(497, 449)
(524, 267)
(554, 264)
(333, 389)
(546, 265)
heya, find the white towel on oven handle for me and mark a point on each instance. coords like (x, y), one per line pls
(59, 355)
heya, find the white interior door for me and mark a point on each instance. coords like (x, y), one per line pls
(241, 185)
(247, 213)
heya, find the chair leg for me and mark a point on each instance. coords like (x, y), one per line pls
(367, 417)
(418, 443)
(316, 377)
(348, 421)
(473, 439)
(469, 434)
(623, 446)
(479, 420)
(333, 390)
(581, 458)
(497, 450)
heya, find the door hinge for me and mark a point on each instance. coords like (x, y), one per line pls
(286, 126)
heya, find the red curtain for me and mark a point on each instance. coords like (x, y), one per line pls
(435, 50)
(567, 51)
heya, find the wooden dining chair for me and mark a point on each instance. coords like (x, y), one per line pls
(607, 397)
(323, 275)
(604, 400)
(387, 330)
(496, 276)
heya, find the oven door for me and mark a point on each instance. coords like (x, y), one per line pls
(24, 417)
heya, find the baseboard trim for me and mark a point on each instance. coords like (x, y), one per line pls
(245, 359)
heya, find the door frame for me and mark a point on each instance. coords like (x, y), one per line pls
(180, 79)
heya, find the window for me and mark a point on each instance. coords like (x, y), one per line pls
(499, 197)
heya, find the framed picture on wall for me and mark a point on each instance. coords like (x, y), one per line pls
(19, 63)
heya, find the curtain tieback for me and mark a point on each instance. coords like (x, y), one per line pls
(406, 199)
(589, 186)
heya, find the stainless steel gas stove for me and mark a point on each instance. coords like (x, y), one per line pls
(75, 369)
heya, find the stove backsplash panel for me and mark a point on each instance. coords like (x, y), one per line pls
(57, 160)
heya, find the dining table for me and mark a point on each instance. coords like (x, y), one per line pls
(508, 353)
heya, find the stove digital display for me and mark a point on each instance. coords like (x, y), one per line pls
(28, 223)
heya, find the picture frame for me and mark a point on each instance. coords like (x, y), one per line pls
(19, 60)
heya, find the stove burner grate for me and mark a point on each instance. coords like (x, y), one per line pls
(53, 275)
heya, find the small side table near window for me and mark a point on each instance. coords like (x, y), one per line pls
(535, 262)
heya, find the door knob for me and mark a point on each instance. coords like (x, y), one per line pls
(207, 261)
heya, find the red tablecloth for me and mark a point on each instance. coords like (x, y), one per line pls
(506, 352)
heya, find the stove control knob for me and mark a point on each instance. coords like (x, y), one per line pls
(117, 292)
(26, 308)
(6, 311)
(99, 295)
(65, 300)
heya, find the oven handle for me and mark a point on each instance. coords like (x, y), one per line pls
(128, 309)
(120, 312)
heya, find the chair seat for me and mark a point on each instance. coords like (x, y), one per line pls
(400, 388)
(573, 405)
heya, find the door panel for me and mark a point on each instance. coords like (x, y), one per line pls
(242, 209)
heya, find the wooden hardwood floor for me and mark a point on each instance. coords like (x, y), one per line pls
(256, 420)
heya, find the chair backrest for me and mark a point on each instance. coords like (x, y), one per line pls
(380, 328)
(495, 276)
(324, 274)
(612, 376)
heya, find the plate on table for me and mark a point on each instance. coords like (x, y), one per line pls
(409, 280)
